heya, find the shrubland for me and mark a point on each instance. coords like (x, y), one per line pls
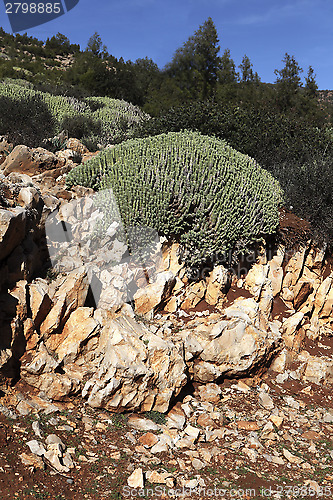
(30, 116)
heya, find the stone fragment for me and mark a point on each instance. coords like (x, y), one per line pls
(135, 480)
(36, 427)
(142, 424)
(277, 420)
(245, 425)
(293, 459)
(176, 418)
(32, 460)
(149, 439)
(12, 229)
(205, 421)
(266, 401)
(210, 392)
(36, 447)
(195, 292)
(148, 298)
(216, 285)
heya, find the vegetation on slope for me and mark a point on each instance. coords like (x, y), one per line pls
(190, 186)
(31, 116)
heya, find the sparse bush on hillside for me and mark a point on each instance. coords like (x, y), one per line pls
(24, 116)
(189, 186)
(117, 118)
(43, 114)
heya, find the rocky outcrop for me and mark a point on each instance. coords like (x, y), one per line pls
(127, 334)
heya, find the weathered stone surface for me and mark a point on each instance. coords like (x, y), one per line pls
(40, 302)
(148, 298)
(216, 285)
(28, 197)
(12, 229)
(194, 293)
(25, 160)
(71, 293)
(232, 347)
(275, 273)
(79, 328)
(256, 279)
(128, 366)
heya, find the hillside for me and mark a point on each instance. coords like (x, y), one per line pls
(166, 275)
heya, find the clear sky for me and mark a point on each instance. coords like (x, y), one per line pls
(262, 29)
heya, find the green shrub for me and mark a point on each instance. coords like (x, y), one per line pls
(189, 186)
(296, 153)
(44, 114)
(24, 116)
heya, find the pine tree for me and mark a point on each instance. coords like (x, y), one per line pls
(288, 81)
(311, 87)
(247, 74)
(227, 74)
(195, 65)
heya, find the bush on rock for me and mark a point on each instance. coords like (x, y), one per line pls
(190, 186)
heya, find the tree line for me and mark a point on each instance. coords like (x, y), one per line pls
(197, 72)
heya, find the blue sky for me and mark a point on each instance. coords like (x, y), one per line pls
(262, 29)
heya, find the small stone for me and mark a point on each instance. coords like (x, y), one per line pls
(37, 429)
(277, 460)
(205, 421)
(156, 477)
(241, 386)
(164, 443)
(292, 402)
(149, 439)
(251, 454)
(210, 392)
(328, 418)
(54, 439)
(192, 432)
(67, 460)
(24, 408)
(36, 448)
(311, 435)
(176, 418)
(189, 483)
(142, 424)
(245, 425)
(206, 454)
(266, 401)
(292, 458)
(197, 464)
(32, 460)
(135, 480)
(277, 421)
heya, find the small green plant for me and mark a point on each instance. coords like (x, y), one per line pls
(119, 420)
(51, 274)
(156, 416)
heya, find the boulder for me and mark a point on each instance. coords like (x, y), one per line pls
(29, 161)
(77, 146)
(118, 365)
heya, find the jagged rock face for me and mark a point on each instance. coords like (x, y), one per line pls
(231, 347)
(121, 365)
(71, 343)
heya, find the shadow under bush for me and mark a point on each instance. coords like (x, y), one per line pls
(26, 120)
